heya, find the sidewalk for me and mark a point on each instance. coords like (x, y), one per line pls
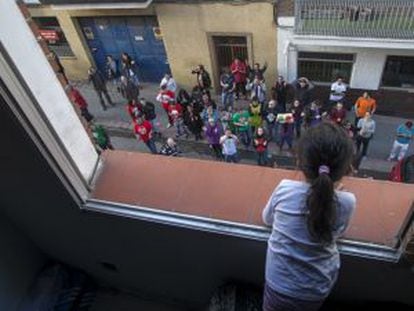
(118, 123)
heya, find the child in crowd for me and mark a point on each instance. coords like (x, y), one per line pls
(286, 123)
(260, 143)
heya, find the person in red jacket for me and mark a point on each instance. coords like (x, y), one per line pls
(143, 131)
(166, 96)
(76, 97)
(338, 114)
(239, 71)
(175, 112)
(260, 143)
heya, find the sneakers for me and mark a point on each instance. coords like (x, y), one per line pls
(169, 125)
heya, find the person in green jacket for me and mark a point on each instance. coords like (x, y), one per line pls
(101, 139)
(241, 121)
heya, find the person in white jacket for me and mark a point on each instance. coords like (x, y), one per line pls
(169, 82)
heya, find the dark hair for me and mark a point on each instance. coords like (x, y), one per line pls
(323, 145)
(409, 124)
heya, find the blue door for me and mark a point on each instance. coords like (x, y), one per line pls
(137, 36)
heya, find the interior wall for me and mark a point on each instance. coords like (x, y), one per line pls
(20, 261)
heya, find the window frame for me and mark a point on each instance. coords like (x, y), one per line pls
(68, 49)
(389, 87)
(309, 59)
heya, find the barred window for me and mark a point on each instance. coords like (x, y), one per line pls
(325, 67)
(399, 72)
(51, 31)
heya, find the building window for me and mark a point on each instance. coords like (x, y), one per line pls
(325, 67)
(51, 31)
(399, 72)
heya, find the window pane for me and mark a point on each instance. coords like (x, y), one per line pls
(399, 72)
(321, 71)
(50, 30)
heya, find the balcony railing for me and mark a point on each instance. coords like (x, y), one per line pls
(392, 19)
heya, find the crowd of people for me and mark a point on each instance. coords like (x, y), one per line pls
(251, 113)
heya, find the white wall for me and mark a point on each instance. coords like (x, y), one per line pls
(20, 261)
(286, 52)
(370, 55)
(32, 64)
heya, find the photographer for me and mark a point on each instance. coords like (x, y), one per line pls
(203, 78)
(229, 144)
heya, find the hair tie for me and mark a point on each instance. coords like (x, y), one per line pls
(323, 169)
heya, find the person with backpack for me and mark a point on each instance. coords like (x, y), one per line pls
(307, 218)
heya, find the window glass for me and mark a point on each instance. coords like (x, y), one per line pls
(399, 72)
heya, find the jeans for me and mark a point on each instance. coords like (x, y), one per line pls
(273, 131)
(151, 146)
(231, 158)
(262, 158)
(180, 127)
(240, 88)
(227, 99)
(403, 148)
(298, 128)
(245, 137)
(364, 141)
(286, 138)
(155, 125)
(216, 148)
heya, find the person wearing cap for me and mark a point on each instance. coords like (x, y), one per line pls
(405, 133)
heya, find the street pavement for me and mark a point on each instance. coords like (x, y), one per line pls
(118, 122)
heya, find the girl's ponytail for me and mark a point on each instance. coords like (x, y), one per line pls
(325, 156)
(321, 203)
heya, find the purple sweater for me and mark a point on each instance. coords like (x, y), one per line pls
(213, 134)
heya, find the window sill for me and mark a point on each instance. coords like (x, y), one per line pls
(189, 192)
(400, 89)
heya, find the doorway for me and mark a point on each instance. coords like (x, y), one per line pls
(226, 49)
